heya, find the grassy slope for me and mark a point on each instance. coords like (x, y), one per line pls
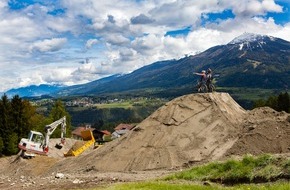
(265, 168)
(240, 173)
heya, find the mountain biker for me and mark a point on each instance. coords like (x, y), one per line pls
(208, 77)
(202, 80)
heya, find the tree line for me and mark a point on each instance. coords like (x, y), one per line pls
(18, 117)
(278, 103)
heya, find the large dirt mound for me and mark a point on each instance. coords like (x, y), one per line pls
(188, 129)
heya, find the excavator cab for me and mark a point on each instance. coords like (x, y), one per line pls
(34, 142)
(35, 137)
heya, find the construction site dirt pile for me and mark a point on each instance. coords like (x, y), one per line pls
(39, 165)
(263, 131)
(190, 129)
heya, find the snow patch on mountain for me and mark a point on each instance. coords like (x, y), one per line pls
(247, 37)
(250, 41)
(241, 46)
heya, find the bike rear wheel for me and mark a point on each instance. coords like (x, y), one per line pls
(211, 88)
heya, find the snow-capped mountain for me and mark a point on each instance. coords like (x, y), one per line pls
(249, 41)
(247, 37)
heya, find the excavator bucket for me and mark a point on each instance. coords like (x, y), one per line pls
(80, 146)
(58, 146)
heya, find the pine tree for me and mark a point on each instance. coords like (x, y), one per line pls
(32, 120)
(259, 103)
(58, 111)
(12, 142)
(5, 128)
(283, 102)
(17, 116)
(272, 102)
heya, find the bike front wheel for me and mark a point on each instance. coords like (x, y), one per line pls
(203, 88)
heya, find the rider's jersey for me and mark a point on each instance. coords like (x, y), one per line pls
(203, 78)
(208, 77)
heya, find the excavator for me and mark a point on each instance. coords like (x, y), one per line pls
(38, 143)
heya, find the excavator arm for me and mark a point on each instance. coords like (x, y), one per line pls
(49, 129)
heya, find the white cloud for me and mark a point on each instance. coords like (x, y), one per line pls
(91, 42)
(54, 76)
(141, 19)
(281, 32)
(116, 39)
(88, 71)
(87, 68)
(270, 5)
(147, 43)
(249, 8)
(168, 14)
(17, 29)
(48, 45)
(3, 4)
(127, 54)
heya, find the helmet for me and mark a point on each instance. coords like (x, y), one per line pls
(209, 70)
(203, 71)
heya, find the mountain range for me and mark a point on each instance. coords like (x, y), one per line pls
(34, 90)
(249, 60)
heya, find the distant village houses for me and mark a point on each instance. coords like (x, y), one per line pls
(121, 129)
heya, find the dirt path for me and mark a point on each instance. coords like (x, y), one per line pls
(18, 173)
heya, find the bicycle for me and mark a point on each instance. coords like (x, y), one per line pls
(204, 88)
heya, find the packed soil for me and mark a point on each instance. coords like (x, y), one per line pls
(188, 130)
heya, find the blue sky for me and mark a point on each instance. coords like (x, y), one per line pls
(71, 42)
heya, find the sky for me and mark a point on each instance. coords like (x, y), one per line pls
(68, 42)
